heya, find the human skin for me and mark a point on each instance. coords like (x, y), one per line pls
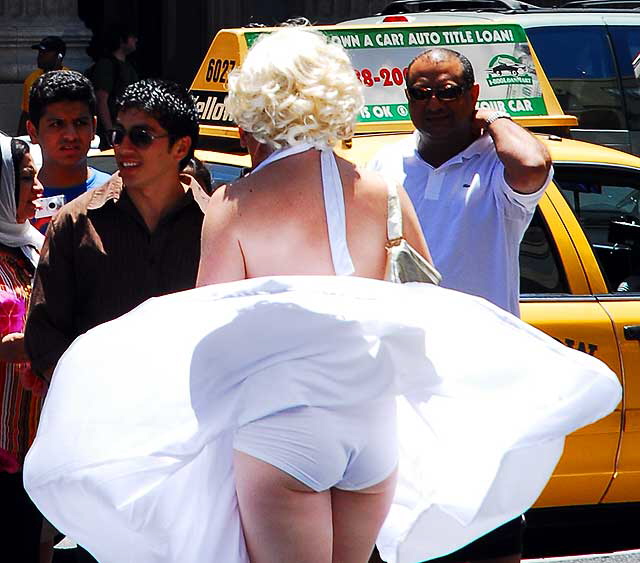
(64, 133)
(273, 222)
(49, 60)
(284, 520)
(447, 127)
(150, 175)
(30, 190)
(12, 344)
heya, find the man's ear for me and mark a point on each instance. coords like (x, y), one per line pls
(243, 137)
(181, 147)
(475, 92)
(33, 132)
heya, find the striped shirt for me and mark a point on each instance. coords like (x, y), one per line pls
(19, 409)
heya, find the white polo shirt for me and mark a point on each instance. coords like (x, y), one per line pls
(472, 219)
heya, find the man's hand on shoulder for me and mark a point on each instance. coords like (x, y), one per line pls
(526, 160)
(483, 118)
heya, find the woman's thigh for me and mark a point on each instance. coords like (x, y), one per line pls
(357, 518)
(309, 476)
(282, 519)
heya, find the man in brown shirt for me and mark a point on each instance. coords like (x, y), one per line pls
(135, 237)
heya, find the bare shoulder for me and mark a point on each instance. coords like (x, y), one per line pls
(370, 181)
(221, 206)
(229, 195)
(241, 204)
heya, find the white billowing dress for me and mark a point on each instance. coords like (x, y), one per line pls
(133, 453)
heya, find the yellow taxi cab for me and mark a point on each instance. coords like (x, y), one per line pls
(580, 257)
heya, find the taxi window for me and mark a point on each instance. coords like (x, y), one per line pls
(104, 163)
(579, 64)
(606, 202)
(540, 267)
(223, 173)
(626, 42)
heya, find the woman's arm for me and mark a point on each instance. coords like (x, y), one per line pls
(12, 351)
(221, 258)
(12, 348)
(411, 229)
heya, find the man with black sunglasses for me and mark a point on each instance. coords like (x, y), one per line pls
(135, 237)
(473, 175)
(475, 178)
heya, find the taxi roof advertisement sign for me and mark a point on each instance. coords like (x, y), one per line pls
(503, 63)
(499, 53)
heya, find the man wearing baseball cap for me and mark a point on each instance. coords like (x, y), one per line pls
(51, 51)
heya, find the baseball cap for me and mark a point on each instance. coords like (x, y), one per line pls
(51, 43)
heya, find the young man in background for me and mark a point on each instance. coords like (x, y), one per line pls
(62, 120)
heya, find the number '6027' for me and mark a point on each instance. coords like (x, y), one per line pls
(217, 69)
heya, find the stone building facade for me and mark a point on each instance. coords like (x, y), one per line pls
(173, 36)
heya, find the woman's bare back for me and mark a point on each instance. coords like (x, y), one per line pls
(273, 222)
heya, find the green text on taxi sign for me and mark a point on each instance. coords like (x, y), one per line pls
(499, 54)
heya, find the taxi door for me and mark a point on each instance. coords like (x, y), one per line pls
(625, 314)
(557, 298)
(608, 207)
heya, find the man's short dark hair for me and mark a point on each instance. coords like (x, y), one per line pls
(169, 103)
(116, 34)
(468, 78)
(59, 86)
(200, 172)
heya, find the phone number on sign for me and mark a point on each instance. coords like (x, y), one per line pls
(384, 76)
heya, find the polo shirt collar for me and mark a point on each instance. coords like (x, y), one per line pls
(478, 147)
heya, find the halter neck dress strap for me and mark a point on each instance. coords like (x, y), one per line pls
(333, 203)
(282, 153)
(335, 212)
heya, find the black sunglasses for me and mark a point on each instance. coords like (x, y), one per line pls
(138, 135)
(447, 93)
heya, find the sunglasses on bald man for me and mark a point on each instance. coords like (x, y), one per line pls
(448, 93)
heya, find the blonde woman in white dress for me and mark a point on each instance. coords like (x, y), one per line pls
(304, 211)
(303, 413)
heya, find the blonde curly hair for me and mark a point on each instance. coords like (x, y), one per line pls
(295, 86)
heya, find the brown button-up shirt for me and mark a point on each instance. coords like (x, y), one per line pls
(99, 261)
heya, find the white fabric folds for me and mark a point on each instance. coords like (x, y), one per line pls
(133, 454)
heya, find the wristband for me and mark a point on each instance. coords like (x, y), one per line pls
(497, 115)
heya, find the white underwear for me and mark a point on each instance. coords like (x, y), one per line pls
(351, 448)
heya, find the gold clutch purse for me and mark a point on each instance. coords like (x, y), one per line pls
(404, 263)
